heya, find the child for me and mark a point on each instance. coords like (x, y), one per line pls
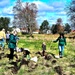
(26, 57)
(26, 53)
(61, 43)
(43, 48)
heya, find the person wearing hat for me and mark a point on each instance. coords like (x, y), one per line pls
(26, 53)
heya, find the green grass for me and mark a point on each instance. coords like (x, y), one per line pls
(34, 44)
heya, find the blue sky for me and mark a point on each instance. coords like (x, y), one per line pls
(49, 10)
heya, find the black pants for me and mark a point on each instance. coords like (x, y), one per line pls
(7, 41)
(43, 52)
(11, 55)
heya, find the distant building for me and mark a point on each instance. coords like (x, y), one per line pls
(36, 32)
(73, 31)
(24, 29)
(48, 31)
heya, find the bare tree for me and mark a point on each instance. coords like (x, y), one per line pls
(70, 9)
(60, 27)
(28, 16)
(59, 21)
(16, 9)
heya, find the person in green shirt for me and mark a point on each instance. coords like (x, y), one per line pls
(61, 43)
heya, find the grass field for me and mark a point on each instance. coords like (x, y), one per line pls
(63, 66)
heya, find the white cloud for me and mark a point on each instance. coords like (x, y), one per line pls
(8, 10)
(4, 2)
(41, 19)
(45, 12)
(43, 7)
(0, 12)
(58, 4)
(42, 14)
(62, 13)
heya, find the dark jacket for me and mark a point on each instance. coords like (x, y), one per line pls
(62, 41)
(12, 41)
(43, 47)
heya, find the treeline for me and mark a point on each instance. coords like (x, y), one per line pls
(55, 28)
(4, 23)
(44, 27)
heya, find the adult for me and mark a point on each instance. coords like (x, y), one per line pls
(7, 37)
(12, 44)
(2, 38)
(61, 43)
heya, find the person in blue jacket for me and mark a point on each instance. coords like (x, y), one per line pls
(61, 43)
(12, 44)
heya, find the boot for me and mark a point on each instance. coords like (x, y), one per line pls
(60, 54)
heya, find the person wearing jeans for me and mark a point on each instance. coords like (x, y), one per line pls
(61, 51)
(61, 43)
(2, 38)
